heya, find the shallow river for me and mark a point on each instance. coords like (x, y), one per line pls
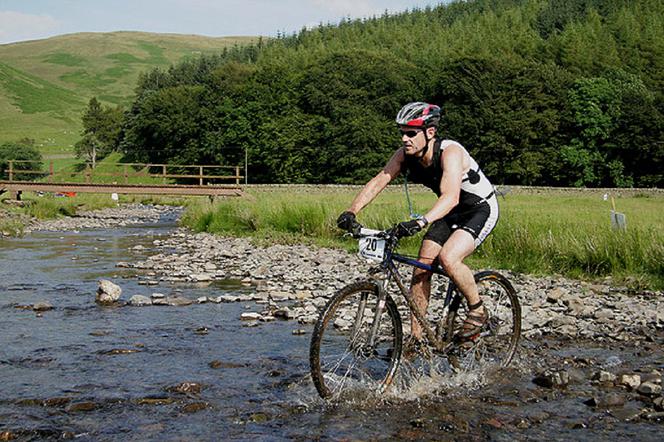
(118, 373)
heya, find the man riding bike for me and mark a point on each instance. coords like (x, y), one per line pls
(464, 214)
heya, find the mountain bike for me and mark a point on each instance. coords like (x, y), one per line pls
(357, 340)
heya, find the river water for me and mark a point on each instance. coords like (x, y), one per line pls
(199, 373)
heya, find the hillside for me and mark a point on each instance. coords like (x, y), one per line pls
(46, 84)
(541, 92)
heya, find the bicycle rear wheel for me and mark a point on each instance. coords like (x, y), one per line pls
(498, 343)
(343, 355)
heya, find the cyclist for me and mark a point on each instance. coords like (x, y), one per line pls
(464, 214)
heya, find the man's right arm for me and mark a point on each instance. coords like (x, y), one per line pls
(376, 185)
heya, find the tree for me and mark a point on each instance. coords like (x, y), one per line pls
(22, 150)
(101, 132)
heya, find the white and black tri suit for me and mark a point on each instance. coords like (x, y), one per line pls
(477, 211)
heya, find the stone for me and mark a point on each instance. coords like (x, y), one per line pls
(607, 401)
(284, 313)
(157, 296)
(178, 301)
(299, 332)
(279, 295)
(107, 292)
(630, 380)
(604, 314)
(140, 300)
(303, 294)
(81, 407)
(658, 403)
(185, 388)
(551, 379)
(42, 307)
(553, 296)
(202, 299)
(195, 407)
(575, 306)
(649, 388)
(201, 277)
(603, 377)
(250, 316)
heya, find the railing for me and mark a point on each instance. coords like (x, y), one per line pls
(130, 171)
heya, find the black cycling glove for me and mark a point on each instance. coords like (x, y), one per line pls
(408, 228)
(346, 221)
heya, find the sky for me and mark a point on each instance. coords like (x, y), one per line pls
(35, 19)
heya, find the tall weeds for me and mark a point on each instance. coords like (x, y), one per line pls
(541, 234)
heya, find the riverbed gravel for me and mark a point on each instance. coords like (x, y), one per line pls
(294, 282)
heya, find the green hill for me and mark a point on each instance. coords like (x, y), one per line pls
(46, 84)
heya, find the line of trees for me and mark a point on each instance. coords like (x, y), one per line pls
(542, 92)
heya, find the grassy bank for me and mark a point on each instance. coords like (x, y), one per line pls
(541, 234)
(13, 219)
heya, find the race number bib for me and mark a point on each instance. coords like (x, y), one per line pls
(372, 248)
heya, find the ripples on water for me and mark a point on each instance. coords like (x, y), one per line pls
(112, 373)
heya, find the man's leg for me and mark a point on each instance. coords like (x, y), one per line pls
(456, 249)
(420, 286)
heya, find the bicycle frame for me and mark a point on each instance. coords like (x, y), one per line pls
(389, 268)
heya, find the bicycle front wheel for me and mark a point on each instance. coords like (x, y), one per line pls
(356, 343)
(497, 344)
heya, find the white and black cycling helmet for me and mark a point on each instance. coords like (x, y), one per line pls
(419, 114)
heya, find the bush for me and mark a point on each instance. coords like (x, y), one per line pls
(23, 151)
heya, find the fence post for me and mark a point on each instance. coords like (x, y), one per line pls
(88, 173)
(237, 176)
(50, 171)
(200, 175)
(11, 170)
(124, 169)
(163, 174)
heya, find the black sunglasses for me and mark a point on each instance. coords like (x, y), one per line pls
(409, 133)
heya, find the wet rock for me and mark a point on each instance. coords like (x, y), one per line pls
(607, 401)
(220, 364)
(657, 416)
(658, 403)
(81, 407)
(195, 407)
(7, 435)
(185, 388)
(548, 379)
(155, 400)
(118, 351)
(178, 301)
(649, 388)
(654, 376)
(250, 316)
(157, 296)
(258, 418)
(107, 292)
(299, 332)
(42, 307)
(140, 300)
(631, 381)
(284, 313)
(202, 300)
(604, 377)
(56, 401)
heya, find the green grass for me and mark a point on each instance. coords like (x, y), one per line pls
(538, 234)
(46, 84)
(32, 94)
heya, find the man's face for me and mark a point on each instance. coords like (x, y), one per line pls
(413, 139)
